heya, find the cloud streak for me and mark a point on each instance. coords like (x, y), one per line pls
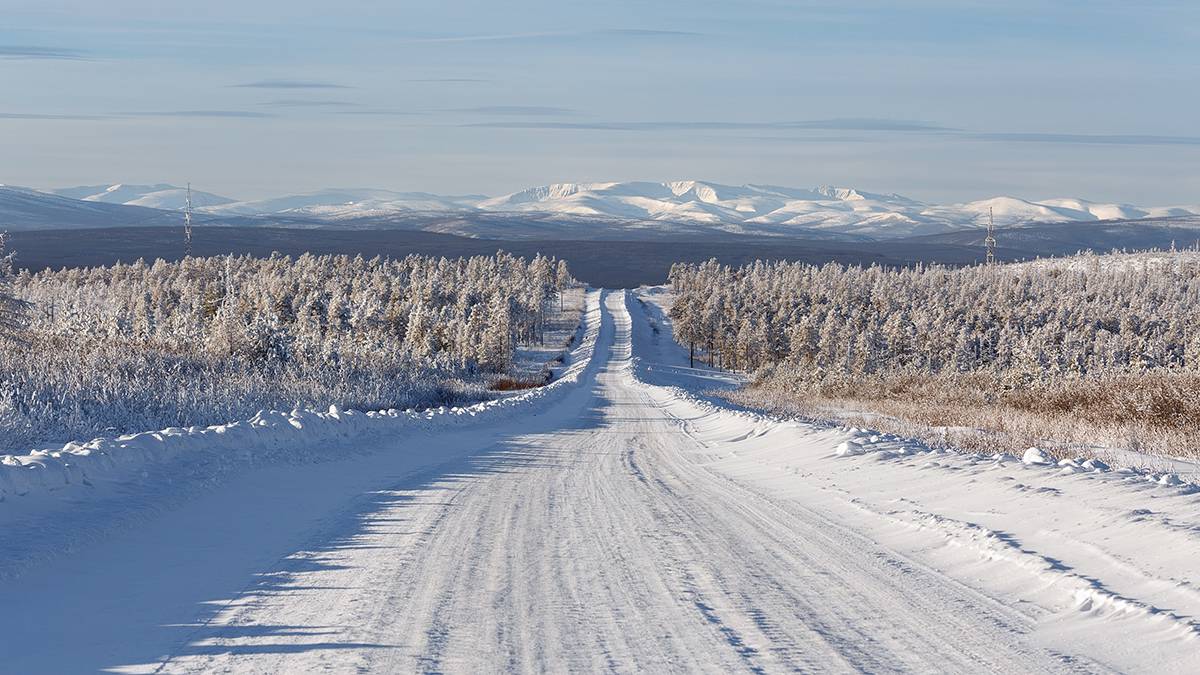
(905, 127)
(1088, 139)
(555, 35)
(306, 103)
(41, 53)
(380, 113)
(446, 80)
(289, 84)
(516, 110)
(48, 116)
(840, 124)
(868, 125)
(199, 113)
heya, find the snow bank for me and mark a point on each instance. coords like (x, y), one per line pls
(1036, 456)
(270, 435)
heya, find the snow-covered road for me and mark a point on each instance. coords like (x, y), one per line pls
(629, 527)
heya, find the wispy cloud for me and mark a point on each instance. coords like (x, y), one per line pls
(381, 113)
(306, 103)
(847, 124)
(290, 84)
(554, 35)
(48, 116)
(646, 33)
(869, 124)
(516, 110)
(446, 80)
(812, 138)
(906, 127)
(48, 53)
(1088, 139)
(137, 113)
(198, 113)
(913, 127)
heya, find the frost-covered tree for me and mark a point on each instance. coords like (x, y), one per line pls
(1037, 321)
(495, 351)
(139, 346)
(562, 280)
(14, 312)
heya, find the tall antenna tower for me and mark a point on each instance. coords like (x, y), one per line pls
(187, 223)
(990, 241)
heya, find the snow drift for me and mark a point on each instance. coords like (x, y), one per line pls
(271, 435)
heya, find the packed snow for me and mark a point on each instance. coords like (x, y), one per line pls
(618, 520)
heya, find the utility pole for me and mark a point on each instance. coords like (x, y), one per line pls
(990, 241)
(187, 223)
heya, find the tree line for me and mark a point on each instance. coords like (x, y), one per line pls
(206, 340)
(1090, 316)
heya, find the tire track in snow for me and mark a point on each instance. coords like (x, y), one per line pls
(600, 546)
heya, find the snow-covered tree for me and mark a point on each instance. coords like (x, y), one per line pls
(1040, 321)
(141, 346)
(14, 312)
(562, 280)
(495, 351)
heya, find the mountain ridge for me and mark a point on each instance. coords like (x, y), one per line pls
(590, 210)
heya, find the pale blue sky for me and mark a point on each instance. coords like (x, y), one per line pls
(938, 100)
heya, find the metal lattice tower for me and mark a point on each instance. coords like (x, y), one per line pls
(187, 223)
(990, 241)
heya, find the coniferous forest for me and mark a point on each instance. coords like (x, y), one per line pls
(210, 340)
(1066, 350)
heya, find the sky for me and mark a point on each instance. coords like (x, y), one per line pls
(938, 100)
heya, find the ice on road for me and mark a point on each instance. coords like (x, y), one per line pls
(627, 528)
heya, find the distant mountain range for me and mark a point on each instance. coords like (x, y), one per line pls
(160, 196)
(622, 210)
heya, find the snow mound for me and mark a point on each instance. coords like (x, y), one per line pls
(1036, 456)
(848, 448)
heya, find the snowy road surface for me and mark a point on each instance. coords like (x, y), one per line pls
(629, 527)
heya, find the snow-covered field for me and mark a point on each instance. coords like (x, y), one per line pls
(613, 521)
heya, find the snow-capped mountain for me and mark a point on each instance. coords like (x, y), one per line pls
(347, 203)
(773, 210)
(159, 196)
(26, 209)
(616, 210)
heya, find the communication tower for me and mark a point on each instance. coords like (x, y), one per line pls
(990, 241)
(187, 223)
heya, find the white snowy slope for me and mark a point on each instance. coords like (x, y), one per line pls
(633, 210)
(682, 206)
(348, 203)
(24, 209)
(615, 525)
(160, 196)
(762, 209)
